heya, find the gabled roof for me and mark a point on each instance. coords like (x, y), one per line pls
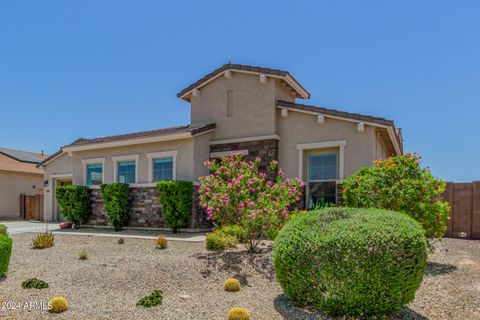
(276, 73)
(20, 161)
(387, 127)
(180, 132)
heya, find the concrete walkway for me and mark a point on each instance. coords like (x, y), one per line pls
(17, 227)
(22, 226)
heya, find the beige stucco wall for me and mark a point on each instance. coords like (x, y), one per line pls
(12, 184)
(253, 106)
(299, 128)
(184, 159)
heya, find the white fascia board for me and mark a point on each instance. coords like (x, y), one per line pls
(113, 144)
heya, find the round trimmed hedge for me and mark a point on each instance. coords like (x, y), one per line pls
(346, 261)
(5, 253)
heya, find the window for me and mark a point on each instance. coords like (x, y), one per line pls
(126, 171)
(162, 169)
(94, 173)
(322, 166)
(322, 175)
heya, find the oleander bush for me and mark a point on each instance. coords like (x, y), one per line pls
(237, 192)
(3, 230)
(34, 283)
(354, 262)
(74, 202)
(43, 240)
(400, 184)
(217, 240)
(5, 253)
(176, 199)
(58, 305)
(232, 285)
(162, 242)
(238, 314)
(116, 199)
(235, 231)
(153, 299)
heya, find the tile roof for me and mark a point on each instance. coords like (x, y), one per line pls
(231, 66)
(336, 113)
(20, 161)
(192, 129)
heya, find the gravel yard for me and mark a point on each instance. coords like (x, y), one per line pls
(115, 277)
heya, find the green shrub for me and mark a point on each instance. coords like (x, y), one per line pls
(176, 200)
(400, 184)
(154, 298)
(235, 231)
(355, 262)
(43, 240)
(34, 283)
(217, 240)
(115, 197)
(5, 253)
(3, 230)
(74, 202)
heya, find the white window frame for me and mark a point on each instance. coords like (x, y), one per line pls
(128, 157)
(340, 144)
(85, 162)
(159, 155)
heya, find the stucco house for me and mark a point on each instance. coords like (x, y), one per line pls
(18, 175)
(234, 109)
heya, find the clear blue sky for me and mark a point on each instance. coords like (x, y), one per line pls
(71, 69)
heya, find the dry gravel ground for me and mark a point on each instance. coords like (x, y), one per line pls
(115, 277)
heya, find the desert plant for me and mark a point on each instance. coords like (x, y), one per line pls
(238, 193)
(355, 262)
(83, 255)
(153, 299)
(34, 283)
(176, 200)
(162, 242)
(235, 231)
(238, 314)
(115, 197)
(400, 184)
(231, 285)
(74, 202)
(3, 230)
(58, 305)
(5, 253)
(121, 241)
(219, 241)
(43, 240)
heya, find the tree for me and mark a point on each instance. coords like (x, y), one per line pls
(400, 184)
(237, 193)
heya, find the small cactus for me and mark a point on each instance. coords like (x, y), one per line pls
(231, 285)
(238, 314)
(121, 241)
(162, 242)
(83, 255)
(58, 305)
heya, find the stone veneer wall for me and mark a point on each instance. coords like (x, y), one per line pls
(146, 210)
(267, 150)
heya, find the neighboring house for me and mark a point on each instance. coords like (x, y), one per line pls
(18, 175)
(234, 109)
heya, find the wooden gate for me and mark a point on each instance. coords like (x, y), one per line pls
(31, 207)
(464, 198)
